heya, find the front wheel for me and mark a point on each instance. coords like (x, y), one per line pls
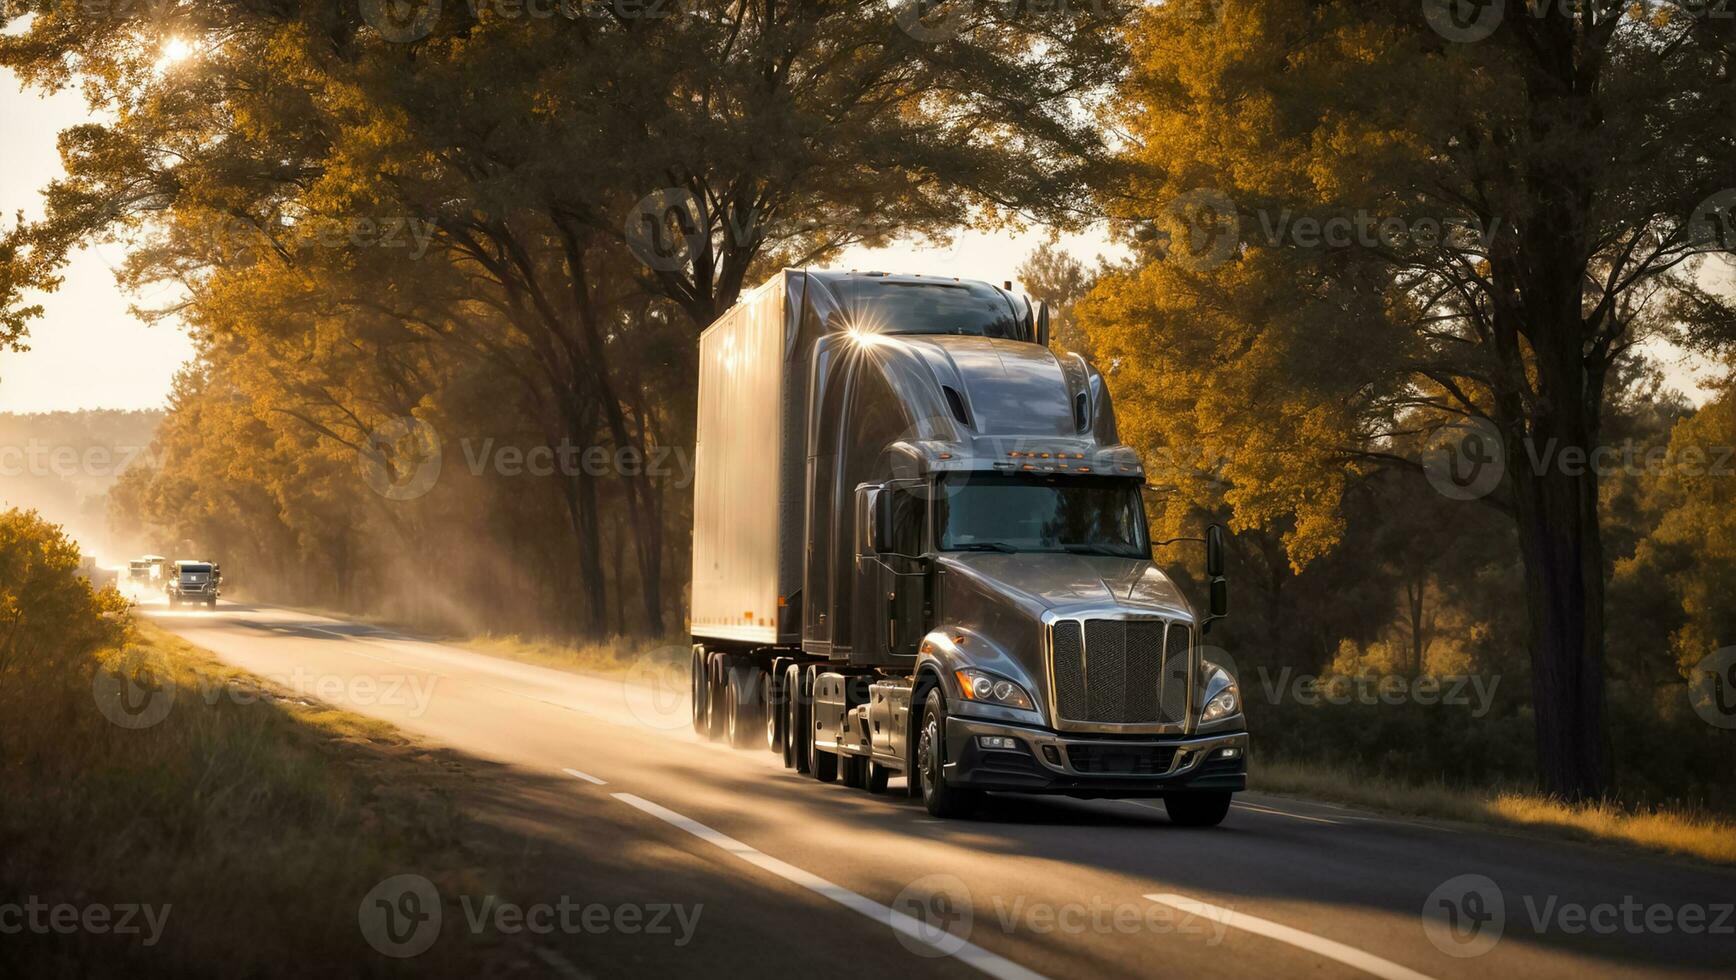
(941, 799)
(1197, 809)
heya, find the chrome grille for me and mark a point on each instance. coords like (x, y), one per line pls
(1119, 672)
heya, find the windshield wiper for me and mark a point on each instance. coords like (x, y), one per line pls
(1005, 549)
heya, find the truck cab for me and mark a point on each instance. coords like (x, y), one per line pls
(194, 581)
(965, 588)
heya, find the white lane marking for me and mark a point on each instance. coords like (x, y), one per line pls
(316, 629)
(1285, 813)
(1348, 955)
(968, 953)
(587, 777)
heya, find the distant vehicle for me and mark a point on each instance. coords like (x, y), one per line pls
(194, 581)
(147, 571)
(920, 547)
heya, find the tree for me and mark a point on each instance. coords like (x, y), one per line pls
(1363, 244)
(541, 152)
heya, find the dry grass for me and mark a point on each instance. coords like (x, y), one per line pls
(1698, 835)
(260, 819)
(610, 657)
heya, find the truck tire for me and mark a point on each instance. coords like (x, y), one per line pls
(771, 707)
(878, 774)
(1197, 809)
(853, 771)
(941, 799)
(700, 692)
(800, 730)
(714, 682)
(822, 764)
(743, 700)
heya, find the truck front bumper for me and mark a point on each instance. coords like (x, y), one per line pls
(1042, 761)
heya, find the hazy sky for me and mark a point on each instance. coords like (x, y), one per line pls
(87, 351)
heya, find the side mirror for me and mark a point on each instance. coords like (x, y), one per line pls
(1218, 587)
(1042, 324)
(1220, 598)
(1214, 551)
(881, 509)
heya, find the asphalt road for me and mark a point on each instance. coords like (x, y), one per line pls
(621, 800)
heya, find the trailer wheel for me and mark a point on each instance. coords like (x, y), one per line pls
(771, 704)
(1197, 809)
(743, 699)
(714, 696)
(878, 774)
(822, 765)
(853, 770)
(701, 692)
(797, 737)
(941, 799)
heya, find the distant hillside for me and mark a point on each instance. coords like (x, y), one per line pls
(63, 463)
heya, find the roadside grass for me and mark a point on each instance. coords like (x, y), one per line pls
(612, 657)
(260, 819)
(1705, 836)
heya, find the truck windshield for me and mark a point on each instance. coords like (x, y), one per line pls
(1081, 515)
(195, 569)
(901, 306)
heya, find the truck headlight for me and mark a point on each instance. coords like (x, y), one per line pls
(1222, 699)
(978, 685)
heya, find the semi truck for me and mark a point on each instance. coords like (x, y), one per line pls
(920, 550)
(194, 581)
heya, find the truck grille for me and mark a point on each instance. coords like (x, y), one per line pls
(1120, 671)
(1131, 760)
